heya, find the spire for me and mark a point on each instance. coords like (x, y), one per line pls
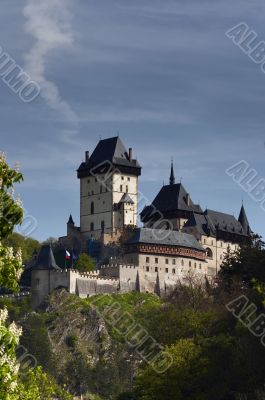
(172, 175)
(71, 221)
(244, 221)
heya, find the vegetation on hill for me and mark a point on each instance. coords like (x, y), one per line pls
(214, 355)
(16, 383)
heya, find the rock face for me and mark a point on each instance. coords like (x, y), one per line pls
(72, 341)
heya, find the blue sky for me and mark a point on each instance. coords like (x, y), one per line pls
(162, 73)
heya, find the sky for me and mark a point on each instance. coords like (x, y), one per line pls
(162, 73)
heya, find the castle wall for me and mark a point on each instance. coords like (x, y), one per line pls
(219, 250)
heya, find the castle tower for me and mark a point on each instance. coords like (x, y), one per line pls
(41, 284)
(108, 189)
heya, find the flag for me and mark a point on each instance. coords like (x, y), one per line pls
(67, 255)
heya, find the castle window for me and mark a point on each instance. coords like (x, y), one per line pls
(128, 178)
(212, 242)
(182, 263)
(221, 244)
(92, 208)
(88, 181)
(122, 178)
(102, 226)
(92, 192)
(91, 226)
(166, 270)
(156, 260)
(200, 266)
(189, 263)
(173, 271)
(147, 269)
(166, 260)
(195, 265)
(147, 259)
(120, 188)
(156, 269)
(209, 253)
(127, 189)
(174, 261)
(101, 189)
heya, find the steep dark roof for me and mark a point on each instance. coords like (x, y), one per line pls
(172, 175)
(110, 151)
(212, 221)
(45, 259)
(171, 198)
(244, 221)
(71, 221)
(164, 237)
(225, 222)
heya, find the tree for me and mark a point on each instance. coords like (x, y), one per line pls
(9, 338)
(85, 263)
(28, 245)
(11, 214)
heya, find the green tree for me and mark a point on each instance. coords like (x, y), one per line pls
(11, 214)
(27, 245)
(85, 263)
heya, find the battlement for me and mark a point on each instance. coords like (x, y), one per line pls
(126, 266)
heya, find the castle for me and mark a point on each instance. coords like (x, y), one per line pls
(177, 240)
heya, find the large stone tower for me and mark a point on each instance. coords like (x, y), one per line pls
(108, 189)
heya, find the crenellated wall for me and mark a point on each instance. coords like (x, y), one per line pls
(109, 279)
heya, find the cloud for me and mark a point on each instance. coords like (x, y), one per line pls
(48, 22)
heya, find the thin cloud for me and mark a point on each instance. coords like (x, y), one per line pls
(48, 22)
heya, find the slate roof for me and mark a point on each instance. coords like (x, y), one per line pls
(170, 198)
(71, 221)
(244, 221)
(165, 237)
(45, 259)
(212, 221)
(110, 151)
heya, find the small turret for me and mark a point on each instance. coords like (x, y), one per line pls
(42, 267)
(70, 220)
(244, 221)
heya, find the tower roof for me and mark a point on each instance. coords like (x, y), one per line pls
(71, 221)
(172, 180)
(243, 220)
(171, 199)
(45, 259)
(110, 151)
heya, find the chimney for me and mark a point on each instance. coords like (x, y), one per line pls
(87, 156)
(188, 199)
(130, 154)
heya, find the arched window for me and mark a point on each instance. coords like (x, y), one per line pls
(92, 208)
(91, 226)
(209, 253)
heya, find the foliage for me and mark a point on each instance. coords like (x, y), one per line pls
(9, 338)
(11, 214)
(38, 385)
(27, 245)
(85, 263)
